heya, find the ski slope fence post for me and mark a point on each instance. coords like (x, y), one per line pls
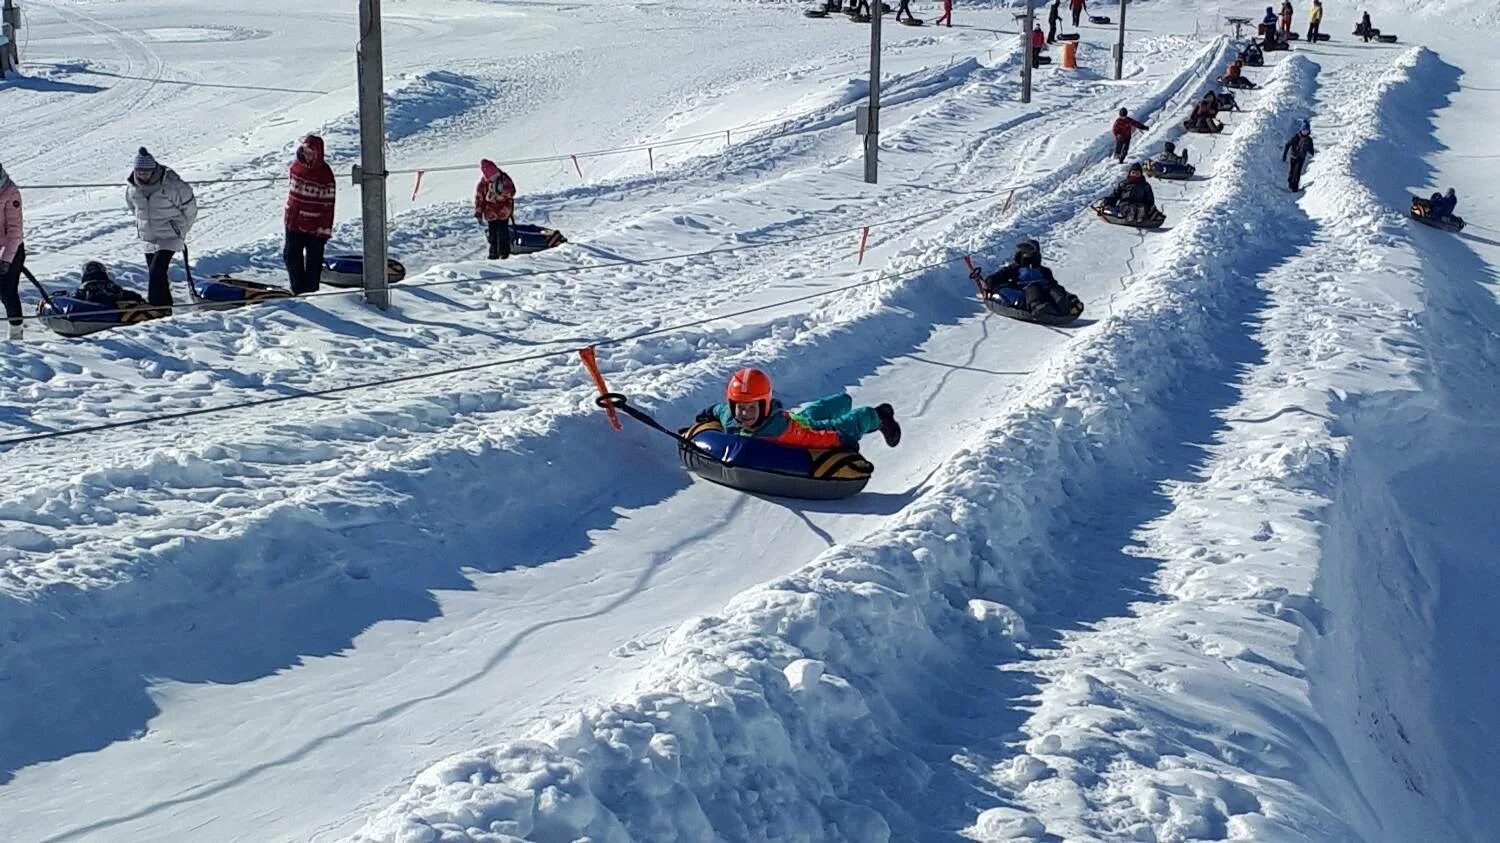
(864, 237)
(586, 354)
(416, 185)
(1008, 197)
(651, 159)
(370, 173)
(575, 165)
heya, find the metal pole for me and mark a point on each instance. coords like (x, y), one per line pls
(1030, 55)
(1120, 45)
(872, 131)
(10, 50)
(370, 174)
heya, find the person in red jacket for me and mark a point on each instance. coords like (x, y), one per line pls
(1077, 7)
(309, 216)
(495, 203)
(947, 16)
(1038, 43)
(1124, 127)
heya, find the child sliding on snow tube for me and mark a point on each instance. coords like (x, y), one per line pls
(1039, 291)
(1170, 155)
(1133, 197)
(830, 422)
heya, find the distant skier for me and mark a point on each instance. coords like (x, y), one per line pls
(947, 17)
(1025, 283)
(1298, 149)
(829, 422)
(1314, 21)
(1364, 28)
(1077, 7)
(1054, 17)
(494, 203)
(12, 253)
(309, 215)
(1123, 128)
(165, 210)
(1286, 20)
(1133, 197)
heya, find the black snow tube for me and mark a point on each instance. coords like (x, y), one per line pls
(1113, 216)
(912, 22)
(1099, 19)
(526, 239)
(1386, 39)
(1420, 213)
(1168, 171)
(349, 271)
(1002, 307)
(765, 468)
(1215, 127)
(815, 13)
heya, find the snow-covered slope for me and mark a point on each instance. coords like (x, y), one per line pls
(1144, 578)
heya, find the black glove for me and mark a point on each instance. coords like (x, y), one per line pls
(707, 416)
(888, 427)
(976, 274)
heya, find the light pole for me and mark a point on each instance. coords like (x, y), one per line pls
(1030, 54)
(370, 173)
(871, 121)
(1120, 45)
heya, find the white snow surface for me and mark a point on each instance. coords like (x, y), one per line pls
(1214, 563)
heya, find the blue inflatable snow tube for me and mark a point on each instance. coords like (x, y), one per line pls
(349, 271)
(74, 317)
(763, 467)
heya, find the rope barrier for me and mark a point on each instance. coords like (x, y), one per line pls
(723, 250)
(571, 349)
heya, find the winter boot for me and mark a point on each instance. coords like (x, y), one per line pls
(16, 331)
(888, 427)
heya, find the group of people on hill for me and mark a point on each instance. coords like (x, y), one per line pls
(165, 208)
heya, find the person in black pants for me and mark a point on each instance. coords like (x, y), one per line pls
(1298, 149)
(1054, 17)
(10, 289)
(499, 236)
(303, 255)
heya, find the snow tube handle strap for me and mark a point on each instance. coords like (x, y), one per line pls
(618, 401)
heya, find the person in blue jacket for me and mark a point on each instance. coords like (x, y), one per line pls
(830, 422)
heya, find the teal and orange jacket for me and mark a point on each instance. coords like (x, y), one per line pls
(829, 422)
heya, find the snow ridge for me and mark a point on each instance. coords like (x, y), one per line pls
(782, 717)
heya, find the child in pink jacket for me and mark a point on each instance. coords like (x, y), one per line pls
(12, 252)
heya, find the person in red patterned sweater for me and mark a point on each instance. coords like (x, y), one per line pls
(309, 215)
(495, 203)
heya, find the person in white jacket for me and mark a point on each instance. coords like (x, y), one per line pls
(165, 209)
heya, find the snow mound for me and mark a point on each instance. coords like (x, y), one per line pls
(790, 715)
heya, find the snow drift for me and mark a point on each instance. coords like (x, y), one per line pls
(788, 716)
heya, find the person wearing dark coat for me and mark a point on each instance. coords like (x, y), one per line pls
(1039, 290)
(1054, 17)
(1133, 197)
(1443, 204)
(1298, 150)
(1365, 28)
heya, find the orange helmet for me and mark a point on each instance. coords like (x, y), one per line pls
(750, 385)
